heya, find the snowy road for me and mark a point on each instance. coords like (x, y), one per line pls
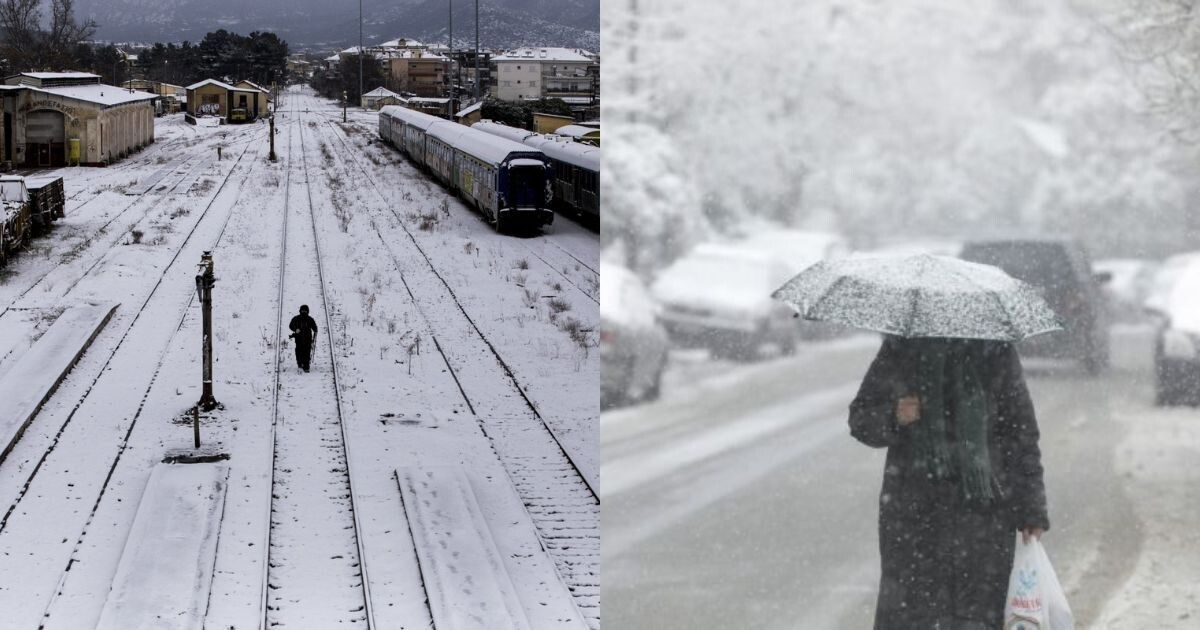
(446, 349)
(740, 500)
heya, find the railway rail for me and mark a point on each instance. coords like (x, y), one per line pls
(561, 498)
(121, 434)
(313, 575)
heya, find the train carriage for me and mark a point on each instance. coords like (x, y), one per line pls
(576, 174)
(576, 167)
(406, 129)
(508, 182)
(439, 150)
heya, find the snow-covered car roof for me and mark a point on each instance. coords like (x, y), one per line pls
(1181, 302)
(718, 274)
(619, 292)
(798, 248)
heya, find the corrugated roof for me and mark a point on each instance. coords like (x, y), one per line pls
(60, 75)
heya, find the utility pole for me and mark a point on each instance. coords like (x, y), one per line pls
(344, 102)
(271, 120)
(360, 53)
(204, 286)
(450, 54)
(475, 90)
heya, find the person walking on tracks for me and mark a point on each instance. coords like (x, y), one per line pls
(304, 330)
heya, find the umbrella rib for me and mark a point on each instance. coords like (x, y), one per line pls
(833, 285)
(914, 299)
(1012, 328)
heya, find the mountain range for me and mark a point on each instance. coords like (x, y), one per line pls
(323, 25)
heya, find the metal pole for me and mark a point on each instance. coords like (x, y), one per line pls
(475, 89)
(450, 54)
(271, 120)
(196, 425)
(360, 52)
(204, 285)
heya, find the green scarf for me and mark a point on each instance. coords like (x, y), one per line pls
(948, 380)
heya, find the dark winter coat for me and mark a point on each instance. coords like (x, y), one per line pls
(305, 329)
(946, 563)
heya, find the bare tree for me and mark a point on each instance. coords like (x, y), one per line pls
(1160, 45)
(65, 33)
(20, 24)
(27, 45)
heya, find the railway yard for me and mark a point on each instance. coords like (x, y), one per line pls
(438, 467)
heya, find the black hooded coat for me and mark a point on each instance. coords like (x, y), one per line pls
(945, 562)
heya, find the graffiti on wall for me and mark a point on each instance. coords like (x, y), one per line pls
(209, 109)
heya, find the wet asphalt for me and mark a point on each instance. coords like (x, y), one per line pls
(740, 500)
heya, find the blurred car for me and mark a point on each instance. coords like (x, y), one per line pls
(1175, 305)
(912, 247)
(1129, 287)
(719, 297)
(1061, 269)
(798, 250)
(633, 344)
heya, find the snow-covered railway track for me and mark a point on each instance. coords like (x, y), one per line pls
(572, 270)
(314, 570)
(92, 453)
(121, 224)
(561, 498)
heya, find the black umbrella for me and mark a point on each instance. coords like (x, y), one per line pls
(920, 296)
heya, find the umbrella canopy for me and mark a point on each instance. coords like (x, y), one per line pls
(920, 296)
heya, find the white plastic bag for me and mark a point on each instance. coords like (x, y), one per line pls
(1035, 598)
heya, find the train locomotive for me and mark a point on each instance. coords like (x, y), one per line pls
(576, 167)
(508, 182)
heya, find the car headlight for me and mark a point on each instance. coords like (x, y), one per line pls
(1177, 344)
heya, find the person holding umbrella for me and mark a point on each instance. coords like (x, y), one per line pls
(946, 396)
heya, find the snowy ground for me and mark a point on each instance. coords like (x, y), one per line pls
(740, 500)
(440, 346)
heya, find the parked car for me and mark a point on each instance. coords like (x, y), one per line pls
(633, 344)
(798, 250)
(1061, 269)
(1174, 304)
(1129, 287)
(719, 297)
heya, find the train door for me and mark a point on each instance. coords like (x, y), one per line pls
(526, 184)
(45, 138)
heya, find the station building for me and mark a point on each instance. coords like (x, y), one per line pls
(52, 118)
(211, 97)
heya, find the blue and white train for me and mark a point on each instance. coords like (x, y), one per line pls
(510, 183)
(576, 167)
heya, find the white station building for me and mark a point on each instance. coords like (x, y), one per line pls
(56, 118)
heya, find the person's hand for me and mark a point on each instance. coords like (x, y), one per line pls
(1034, 532)
(908, 410)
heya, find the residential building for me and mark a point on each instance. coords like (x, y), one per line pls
(534, 73)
